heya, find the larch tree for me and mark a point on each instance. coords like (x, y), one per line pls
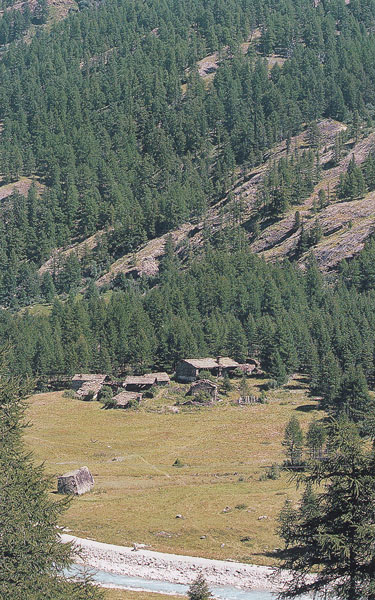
(293, 442)
(199, 589)
(32, 558)
(330, 537)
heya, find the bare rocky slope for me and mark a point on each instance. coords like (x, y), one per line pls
(345, 225)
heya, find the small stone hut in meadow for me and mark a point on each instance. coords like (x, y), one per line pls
(144, 382)
(88, 385)
(246, 369)
(206, 386)
(136, 383)
(189, 369)
(126, 399)
(162, 378)
(75, 482)
(226, 364)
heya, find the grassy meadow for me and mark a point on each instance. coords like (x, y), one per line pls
(138, 492)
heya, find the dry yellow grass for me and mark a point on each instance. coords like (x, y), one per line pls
(138, 492)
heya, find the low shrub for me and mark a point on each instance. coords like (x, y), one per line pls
(226, 386)
(70, 394)
(109, 402)
(272, 472)
(271, 385)
(105, 394)
(206, 375)
(150, 393)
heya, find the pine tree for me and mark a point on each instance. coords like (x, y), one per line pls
(47, 287)
(315, 438)
(332, 532)
(352, 185)
(297, 220)
(32, 557)
(236, 342)
(313, 135)
(293, 442)
(354, 400)
(199, 589)
(322, 199)
(277, 370)
(329, 381)
(338, 149)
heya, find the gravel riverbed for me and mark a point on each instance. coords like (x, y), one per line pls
(174, 568)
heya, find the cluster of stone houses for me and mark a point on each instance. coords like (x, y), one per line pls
(87, 386)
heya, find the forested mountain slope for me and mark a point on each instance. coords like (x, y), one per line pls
(178, 139)
(108, 114)
(334, 228)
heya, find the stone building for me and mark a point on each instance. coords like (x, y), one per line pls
(126, 399)
(203, 388)
(136, 383)
(88, 385)
(75, 482)
(144, 382)
(189, 369)
(162, 378)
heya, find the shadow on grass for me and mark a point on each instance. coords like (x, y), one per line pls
(293, 386)
(306, 408)
(277, 554)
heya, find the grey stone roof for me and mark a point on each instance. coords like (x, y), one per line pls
(202, 363)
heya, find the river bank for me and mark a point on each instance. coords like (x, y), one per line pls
(175, 568)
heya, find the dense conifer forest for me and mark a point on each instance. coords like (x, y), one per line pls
(107, 117)
(224, 303)
(107, 114)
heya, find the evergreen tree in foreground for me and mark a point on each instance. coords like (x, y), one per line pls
(293, 442)
(32, 558)
(332, 532)
(199, 589)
